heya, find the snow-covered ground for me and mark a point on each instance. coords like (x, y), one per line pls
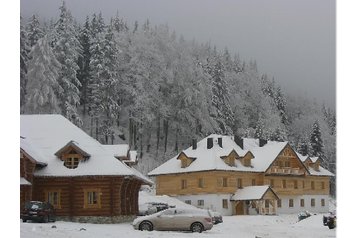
(285, 226)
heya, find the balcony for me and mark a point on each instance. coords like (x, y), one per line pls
(286, 170)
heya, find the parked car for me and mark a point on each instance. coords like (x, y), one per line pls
(330, 220)
(38, 211)
(195, 220)
(151, 208)
(216, 217)
(303, 215)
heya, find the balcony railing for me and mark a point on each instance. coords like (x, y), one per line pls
(286, 170)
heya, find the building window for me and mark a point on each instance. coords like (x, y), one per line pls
(92, 198)
(287, 164)
(303, 184)
(302, 202)
(201, 183)
(323, 185)
(71, 162)
(267, 203)
(224, 182)
(200, 203)
(312, 185)
(53, 197)
(313, 202)
(253, 182)
(183, 184)
(272, 183)
(290, 203)
(283, 183)
(279, 203)
(188, 201)
(225, 203)
(323, 202)
(239, 183)
(295, 184)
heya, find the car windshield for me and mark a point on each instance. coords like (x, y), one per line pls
(34, 205)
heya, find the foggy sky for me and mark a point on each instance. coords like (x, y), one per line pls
(291, 40)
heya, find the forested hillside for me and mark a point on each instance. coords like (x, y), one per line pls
(144, 85)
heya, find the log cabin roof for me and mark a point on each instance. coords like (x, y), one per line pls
(321, 171)
(47, 134)
(33, 154)
(211, 159)
(252, 193)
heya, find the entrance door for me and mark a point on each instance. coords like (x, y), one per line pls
(240, 208)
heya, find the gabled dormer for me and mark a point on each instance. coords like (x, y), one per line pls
(230, 158)
(287, 162)
(71, 155)
(185, 160)
(246, 159)
(314, 163)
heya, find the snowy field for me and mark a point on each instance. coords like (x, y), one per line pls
(284, 226)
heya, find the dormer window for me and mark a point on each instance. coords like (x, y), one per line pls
(71, 162)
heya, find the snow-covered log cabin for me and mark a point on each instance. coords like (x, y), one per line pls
(84, 180)
(239, 176)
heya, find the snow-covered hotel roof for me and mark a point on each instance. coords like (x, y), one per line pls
(43, 136)
(207, 159)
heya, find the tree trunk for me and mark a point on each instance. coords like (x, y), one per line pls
(97, 129)
(141, 140)
(158, 133)
(135, 126)
(166, 131)
(149, 137)
(91, 126)
(176, 139)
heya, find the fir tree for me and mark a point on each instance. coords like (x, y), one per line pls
(316, 144)
(24, 51)
(34, 31)
(302, 147)
(67, 49)
(43, 88)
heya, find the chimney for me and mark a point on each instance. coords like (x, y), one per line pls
(210, 143)
(239, 141)
(220, 142)
(195, 145)
(262, 142)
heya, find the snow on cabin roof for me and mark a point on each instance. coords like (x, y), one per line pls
(118, 150)
(210, 159)
(24, 181)
(250, 193)
(49, 133)
(31, 151)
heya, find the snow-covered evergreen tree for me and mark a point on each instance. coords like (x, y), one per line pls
(67, 49)
(316, 143)
(43, 87)
(302, 147)
(34, 30)
(24, 51)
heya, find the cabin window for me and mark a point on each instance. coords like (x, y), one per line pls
(267, 203)
(224, 182)
(201, 183)
(303, 184)
(239, 183)
(188, 201)
(247, 162)
(283, 183)
(302, 202)
(312, 185)
(71, 162)
(253, 182)
(225, 203)
(272, 183)
(287, 164)
(323, 185)
(92, 198)
(53, 197)
(183, 184)
(200, 203)
(323, 202)
(279, 203)
(295, 184)
(313, 202)
(290, 203)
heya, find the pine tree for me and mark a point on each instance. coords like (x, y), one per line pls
(281, 105)
(43, 88)
(67, 49)
(316, 144)
(302, 147)
(34, 31)
(24, 51)
(84, 63)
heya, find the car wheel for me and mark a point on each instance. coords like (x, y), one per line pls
(330, 225)
(197, 227)
(24, 220)
(146, 226)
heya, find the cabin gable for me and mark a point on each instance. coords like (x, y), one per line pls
(185, 160)
(231, 158)
(246, 159)
(72, 155)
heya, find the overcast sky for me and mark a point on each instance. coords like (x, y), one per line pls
(292, 40)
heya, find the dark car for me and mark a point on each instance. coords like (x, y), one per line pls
(217, 217)
(303, 215)
(330, 220)
(38, 211)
